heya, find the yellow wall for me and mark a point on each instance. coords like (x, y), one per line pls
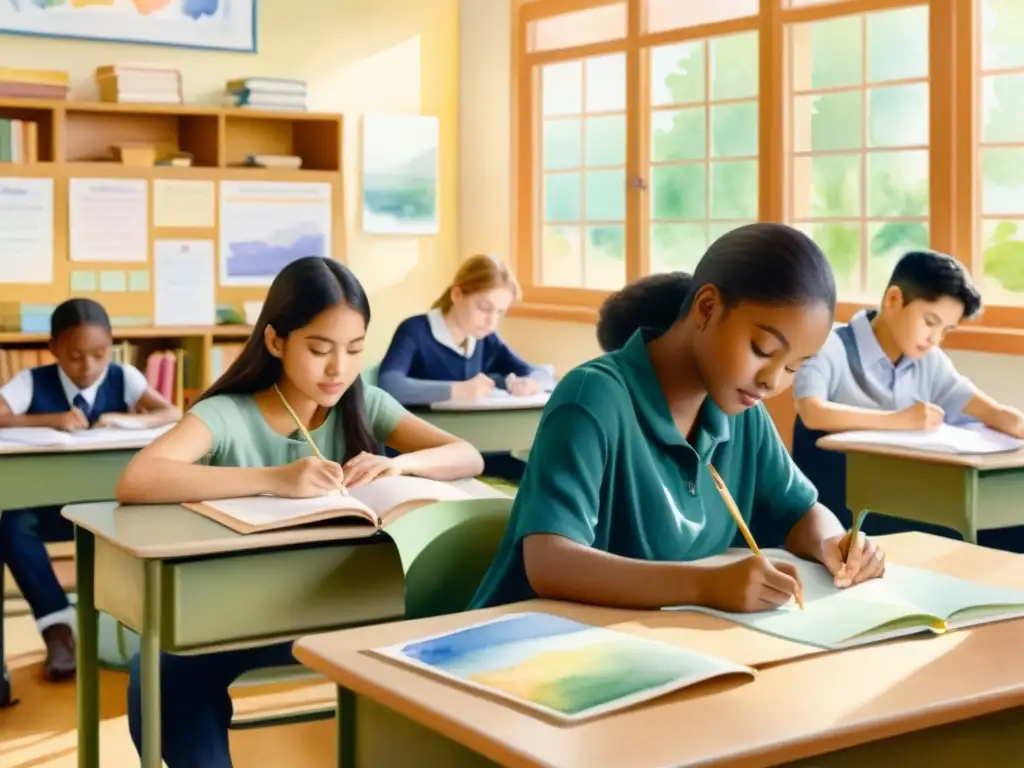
(357, 56)
(485, 200)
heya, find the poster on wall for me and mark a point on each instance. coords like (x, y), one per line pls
(266, 225)
(400, 155)
(228, 25)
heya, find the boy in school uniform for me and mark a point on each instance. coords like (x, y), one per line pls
(885, 370)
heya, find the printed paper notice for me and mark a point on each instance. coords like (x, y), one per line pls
(108, 219)
(183, 286)
(266, 225)
(180, 203)
(26, 230)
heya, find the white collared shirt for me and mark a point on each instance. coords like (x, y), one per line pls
(443, 334)
(17, 392)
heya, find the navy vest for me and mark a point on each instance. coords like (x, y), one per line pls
(48, 394)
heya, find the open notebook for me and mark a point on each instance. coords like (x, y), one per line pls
(905, 601)
(945, 439)
(375, 504)
(559, 667)
(45, 436)
(498, 400)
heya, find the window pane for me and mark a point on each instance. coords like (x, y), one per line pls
(594, 25)
(678, 135)
(1002, 34)
(898, 184)
(827, 54)
(562, 88)
(562, 197)
(828, 122)
(606, 141)
(678, 192)
(606, 83)
(734, 130)
(888, 241)
(605, 258)
(898, 44)
(561, 257)
(1002, 108)
(841, 245)
(826, 187)
(562, 144)
(898, 116)
(606, 196)
(1003, 261)
(675, 14)
(1002, 181)
(677, 74)
(734, 190)
(734, 71)
(677, 246)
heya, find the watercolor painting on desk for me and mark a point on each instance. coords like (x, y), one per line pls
(400, 155)
(228, 25)
(562, 668)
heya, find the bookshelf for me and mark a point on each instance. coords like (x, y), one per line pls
(74, 140)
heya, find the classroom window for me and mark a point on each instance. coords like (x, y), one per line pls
(858, 141)
(703, 147)
(1000, 135)
(664, 15)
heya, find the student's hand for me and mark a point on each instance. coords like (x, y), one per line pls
(920, 415)
(521, 386)
(367, 467)
(308, 478)
(754, 583)
(1015, 424)
(479, 386)
(69, 421)
(848, 567)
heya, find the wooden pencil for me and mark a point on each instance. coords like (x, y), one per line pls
(305, 432)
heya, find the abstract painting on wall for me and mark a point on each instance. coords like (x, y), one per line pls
(400, 169)
(560, 667)
(228, 25)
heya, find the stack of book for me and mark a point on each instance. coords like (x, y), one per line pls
(266, 93)
(139, 84)
(33, 83)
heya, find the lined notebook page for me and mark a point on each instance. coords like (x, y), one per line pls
(946, 439)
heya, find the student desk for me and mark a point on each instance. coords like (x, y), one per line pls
(489, 431)
(38, 476)
(965, 492)
(187, 584)
(954, 699)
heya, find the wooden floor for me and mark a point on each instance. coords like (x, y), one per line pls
(39, 732)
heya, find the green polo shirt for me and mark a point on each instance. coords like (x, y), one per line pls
(610, 470)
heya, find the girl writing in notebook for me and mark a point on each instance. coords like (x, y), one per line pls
(304, 357)
(76, 392)
(453, 352)
(619, 504)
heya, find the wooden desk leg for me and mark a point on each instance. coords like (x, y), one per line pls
(346, 728)
(87, 652)
(150, 665)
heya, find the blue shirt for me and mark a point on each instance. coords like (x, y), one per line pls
(852, 369)
(49, 394)
(423, 362)
(610, 470)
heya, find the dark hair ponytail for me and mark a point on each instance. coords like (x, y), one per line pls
(768, 264)
(648, 302)
(300, 292)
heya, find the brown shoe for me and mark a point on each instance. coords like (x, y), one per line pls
(60, 652)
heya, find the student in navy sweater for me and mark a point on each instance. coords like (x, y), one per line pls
(72, 394)
(454, 352)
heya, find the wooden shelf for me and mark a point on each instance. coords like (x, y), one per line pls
(214, 332)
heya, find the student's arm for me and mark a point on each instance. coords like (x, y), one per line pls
(426, 451)
(502, 363)
(148, 408)
(15, 398)
(166, 471)
(956, 394)
(995, 415)
(394, 373)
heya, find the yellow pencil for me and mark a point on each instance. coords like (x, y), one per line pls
(740, 522)
(304, 431)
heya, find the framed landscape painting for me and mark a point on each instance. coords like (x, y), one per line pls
(228, 25)
(400, 156)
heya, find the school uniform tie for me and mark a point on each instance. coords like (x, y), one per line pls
(82, 404)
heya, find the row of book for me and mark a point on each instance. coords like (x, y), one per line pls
(19, 141)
